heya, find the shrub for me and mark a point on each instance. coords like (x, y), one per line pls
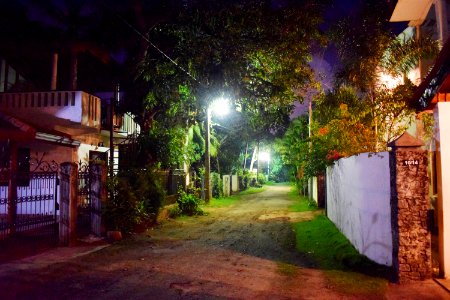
(261, 178)
(149, 192)
(188, 203)
(122, 210)
(217, 185)
(174, 212)
(135, 198)
(244, 181)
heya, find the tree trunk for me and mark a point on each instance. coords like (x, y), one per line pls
(245, 156)
(257, 160)
(253, 159)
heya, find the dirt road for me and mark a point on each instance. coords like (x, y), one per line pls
(246, 251)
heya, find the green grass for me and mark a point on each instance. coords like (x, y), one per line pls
(253, 190)
(223, 202)
(300, 203)
(270, 183)
(331, 250)
(227, 201)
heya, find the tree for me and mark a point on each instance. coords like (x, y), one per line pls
(367, 48)
(249, 50)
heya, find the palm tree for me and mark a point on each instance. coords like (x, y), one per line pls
(404, 54)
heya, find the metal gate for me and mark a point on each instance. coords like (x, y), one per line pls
(84, 206)
(28, 203)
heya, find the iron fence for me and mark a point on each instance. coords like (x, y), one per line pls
(33, 207)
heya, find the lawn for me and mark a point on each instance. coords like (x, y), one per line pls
(300, 203)
(345, 269)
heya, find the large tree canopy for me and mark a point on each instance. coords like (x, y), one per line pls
(253, 52)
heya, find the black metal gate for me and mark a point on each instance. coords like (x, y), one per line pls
(33, 208)
(84, 206)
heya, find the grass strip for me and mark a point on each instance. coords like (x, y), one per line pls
(300, 203)
(228, 201)
(346, 269)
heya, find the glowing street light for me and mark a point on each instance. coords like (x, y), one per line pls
(219, 106)
(265, 156)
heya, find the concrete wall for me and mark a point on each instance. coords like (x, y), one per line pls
(358, 202)
(442, 129)
(235, 183)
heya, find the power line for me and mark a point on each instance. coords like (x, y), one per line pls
(151, 44)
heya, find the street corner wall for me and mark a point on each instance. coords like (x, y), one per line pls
(358, 203)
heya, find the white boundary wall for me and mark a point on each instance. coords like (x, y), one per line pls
(442, 127)
(358, 203)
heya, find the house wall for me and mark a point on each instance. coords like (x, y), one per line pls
(48, 152)
(442, 130)
(358, 203)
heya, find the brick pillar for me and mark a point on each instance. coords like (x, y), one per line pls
(409, 208)
(68, 204)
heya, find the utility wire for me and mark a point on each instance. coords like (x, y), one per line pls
(151, 44)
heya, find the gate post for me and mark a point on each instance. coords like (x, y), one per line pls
(411, 237)
(12, 188)
(98, 196)
(226, 185)
(68, 205)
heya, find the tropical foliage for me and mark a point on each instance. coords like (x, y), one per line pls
(252, 52)
(359, 114)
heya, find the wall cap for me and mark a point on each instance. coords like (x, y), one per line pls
(406, 141)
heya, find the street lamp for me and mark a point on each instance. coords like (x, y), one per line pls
(265, 156)
(219, 106)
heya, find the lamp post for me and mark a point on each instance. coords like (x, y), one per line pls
(219, 106)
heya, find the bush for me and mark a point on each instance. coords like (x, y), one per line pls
(261, 178)
(135, 199)
(149, 191)
(188, 203)
(122, 211)
(217, 185)
(244, 181)
(174, 212)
